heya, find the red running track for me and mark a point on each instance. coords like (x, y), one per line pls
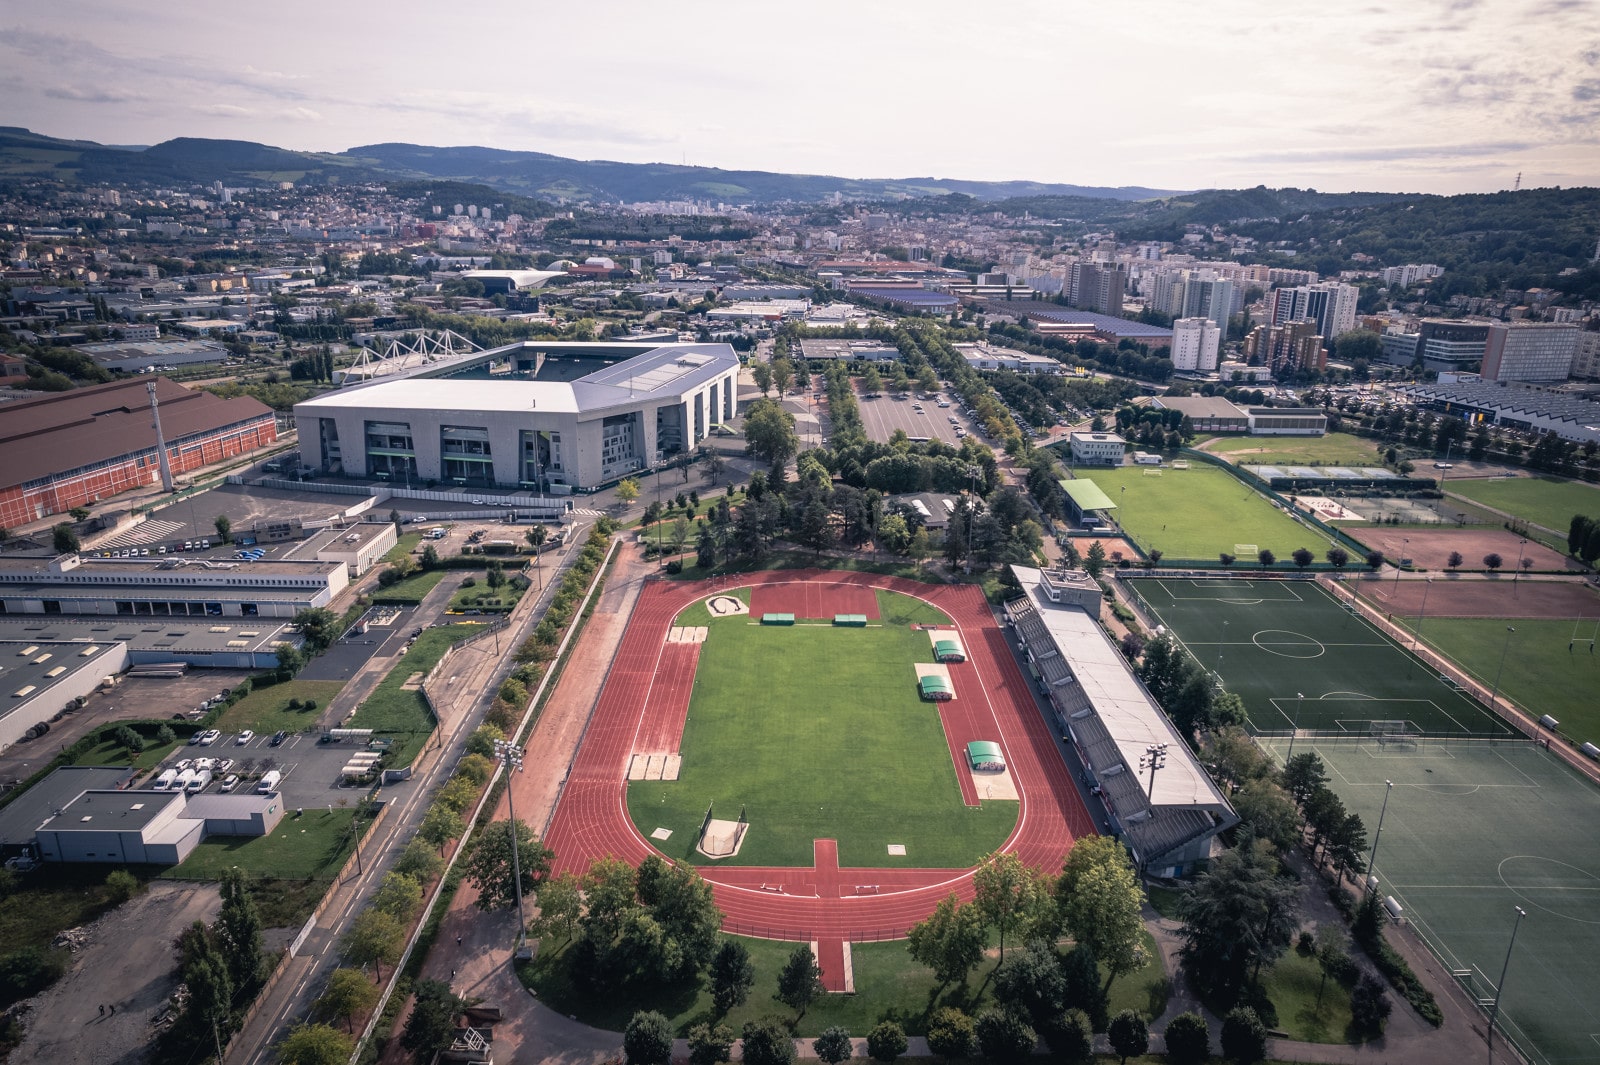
(813, 599)
(667, 708)
(823, 904)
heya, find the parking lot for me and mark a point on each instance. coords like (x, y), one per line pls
(347, 655)
(882, 415)
(310, 770)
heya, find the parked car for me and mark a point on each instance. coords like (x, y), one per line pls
(231, 782)
(244, 737)
(209, 736)
(278, 738)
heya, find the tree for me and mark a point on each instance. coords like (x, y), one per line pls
(767, 1043)
(1303, 775)
(129, 739)
(1268, 812)
(315, 1044)
(1244, 1037)
(1101, 904)
(1080, 974)
(732, 975)
(1369, 1005)
(1266, 557)
(238, 931)
(560, 906)
(1188, 1039)
(1094, 562)
(1492, 561)
(374, 938)
(1006, 891)
(1033, 983)
(710, 1044)
(432, 1023)
(1129, 1035)
(800, 980)
(398, 894)
(648, 1039)
(1070, 1038)
(871, 381)
(495, 577)
(769, 432)
(951, 1033)
(63, 539)
(1577, 533)
(224, 526)
(950, 941)
(627, 491)
(1302, 557)
(1455, 560)
(536, 537)
(886, 1042)
(1239, 915)
(439, 826)
(1004, 1037)
(319, 626)
(1374, 560)
(782, 375)
(761, 372)
(1338, 557)
(833, 1045)
(1333, 955)
(1227, 559)
(122, 885)
(348, 993)
(489, 867)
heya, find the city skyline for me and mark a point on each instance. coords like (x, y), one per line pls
(1445, 96)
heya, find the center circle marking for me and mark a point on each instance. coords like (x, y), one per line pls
(1287, 644)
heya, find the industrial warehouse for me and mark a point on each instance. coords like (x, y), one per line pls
(500, 418)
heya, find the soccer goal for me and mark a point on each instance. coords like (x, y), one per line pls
(1397, 734)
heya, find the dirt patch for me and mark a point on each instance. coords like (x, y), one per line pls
(1431, 548)
(1476, 597)
(1113, 546)
(128, 963)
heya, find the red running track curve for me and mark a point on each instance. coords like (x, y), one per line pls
(824, 904)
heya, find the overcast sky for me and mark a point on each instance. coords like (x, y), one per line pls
(1413, 95)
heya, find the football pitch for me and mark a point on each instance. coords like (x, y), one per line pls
(1472, 831)
(818, 732)
(1300, 660)
(1200, 513)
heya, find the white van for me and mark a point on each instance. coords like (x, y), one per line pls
(165, 781)
(185, 778)
(201, 781)
(269, 782)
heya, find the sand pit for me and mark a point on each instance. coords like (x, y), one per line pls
(992, 785)
(658, 766)
(687, 634)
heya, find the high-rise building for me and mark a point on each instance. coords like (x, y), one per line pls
(1529, 351)
(1586, 363)
(1331, 304)
(1096, 287)
(1195, 342)
(1191, 294)
(1286, 348)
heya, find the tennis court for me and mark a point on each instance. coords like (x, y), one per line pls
(1472, 830)
(1300, 660)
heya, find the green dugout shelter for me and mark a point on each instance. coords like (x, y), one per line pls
(1085, 501)
(985, 754)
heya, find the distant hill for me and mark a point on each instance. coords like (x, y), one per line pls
(23, 152)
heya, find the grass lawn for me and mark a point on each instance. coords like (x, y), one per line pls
(314, 844)
(49, 900)
(109, 752)
(818, 732)
(889, 986)
(1335, 449)
(1165, 900)
(1541, 675)
(1547, 501)
(480, 596)
(1200, 512)
(410, 591)
(1292, 984)
(266, 710)
(1146, 989)
(403, 547)
(390, 709)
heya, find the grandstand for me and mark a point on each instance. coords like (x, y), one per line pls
(1168, 819)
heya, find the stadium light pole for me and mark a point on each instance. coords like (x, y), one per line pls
(1155, 757)
(1416, 637)
(510, 757)
(1299, 700)
(1498, 672)
(1518, 571)
(1405, 542)
(1499, 988)
(1388, 788)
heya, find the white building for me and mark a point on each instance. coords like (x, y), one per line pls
(1195, 343)
(1097, 449)
(167, 587)
(660, 400)
(1331, 304)
(1586, 363)
(1529, 351)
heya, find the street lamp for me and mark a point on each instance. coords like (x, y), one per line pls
(1388, 787)
(1220, 648)
(1405, 542)
(1416, 637)
(1155, 757)
(1499, 988)
(1299, 700)
(1497, 673)
(510, 757)
(1518, 571)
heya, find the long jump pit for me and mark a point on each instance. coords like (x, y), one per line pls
(821, 903)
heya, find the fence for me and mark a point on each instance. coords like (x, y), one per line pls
(804, 935)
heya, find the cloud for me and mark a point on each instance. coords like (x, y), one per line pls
(225, 110)
(93, 96)
(1384, 154)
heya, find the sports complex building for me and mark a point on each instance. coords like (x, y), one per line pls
(1168, 816)
(546, 416)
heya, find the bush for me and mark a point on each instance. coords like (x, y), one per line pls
(1369, 1006)
(1244, 1037)
(886, 1042)
(476, 768)
(1004, 1037)
(1188, 1039)
(165, 735)
(309, 705)
(648, 1039)
(26, 972)
(129, 739)
(1070, 1038)
(122, 885)
(951, 1033)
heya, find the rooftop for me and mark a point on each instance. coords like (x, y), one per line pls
(111, 811)
(148, 634)
(23, 815)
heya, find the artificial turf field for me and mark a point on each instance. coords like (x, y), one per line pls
(1547, 501)
(1473, 830)
(818, 732)
(1273, 641)
(1200, 513)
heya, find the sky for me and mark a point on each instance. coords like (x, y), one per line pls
(1416, 95)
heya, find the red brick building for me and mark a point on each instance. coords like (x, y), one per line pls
(76, 448)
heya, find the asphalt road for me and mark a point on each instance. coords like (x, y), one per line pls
(883, 415)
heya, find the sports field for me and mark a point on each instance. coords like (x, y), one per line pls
(1201, 512)
(1552, 665)
(818, 732)
(1334, 449)
(1547, 501)
(1299, 658)
(1471, 832)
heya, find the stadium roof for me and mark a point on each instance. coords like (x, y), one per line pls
(1103, 323)
(914, 297)
(516, 278)
(1086, 494)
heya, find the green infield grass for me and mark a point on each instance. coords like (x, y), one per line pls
(1299, 659)
(1335, 449)
(818, 732)
(1547, 501)
(1552, 665)
(1200, 513)
(1472, 831)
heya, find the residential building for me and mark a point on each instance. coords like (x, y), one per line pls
(1195, 343)
(1530, 351)
(1586, 363)
(1287, 348)
(1097, 449)
(1331, 304)
(1096, 287)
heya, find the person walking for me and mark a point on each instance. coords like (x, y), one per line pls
(102, 1009)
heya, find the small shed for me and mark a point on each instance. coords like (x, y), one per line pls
(850, 621)
(777, 619)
